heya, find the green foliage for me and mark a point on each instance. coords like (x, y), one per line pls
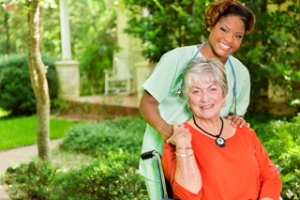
(169, 24)
(13, 38)
(16, 92)
(102, 138)
(113, 175)
(95, 36)
(287, 154)
(108, 178)
(30, 180)
(282, 141)
(92, 65)
(271, 52)
(3, 113)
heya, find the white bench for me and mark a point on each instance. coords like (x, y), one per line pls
(118, 80)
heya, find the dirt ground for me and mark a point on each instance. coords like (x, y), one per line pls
(81, 117)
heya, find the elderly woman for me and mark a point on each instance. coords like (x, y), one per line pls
(208, 158)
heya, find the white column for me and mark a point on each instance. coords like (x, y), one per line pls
(65, 31)
(68, 78)
(67, 69)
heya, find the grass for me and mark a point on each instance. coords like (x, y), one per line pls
(22, 131)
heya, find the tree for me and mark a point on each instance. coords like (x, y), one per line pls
(38, 78)
(6, 10)
(271, 52)
(168, 24)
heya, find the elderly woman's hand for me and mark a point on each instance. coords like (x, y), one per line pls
(181, 136)
(237, 120)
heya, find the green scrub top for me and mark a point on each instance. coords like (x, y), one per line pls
(163, 84)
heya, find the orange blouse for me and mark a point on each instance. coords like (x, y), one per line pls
(241, 170)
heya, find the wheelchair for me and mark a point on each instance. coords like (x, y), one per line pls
(166, 189)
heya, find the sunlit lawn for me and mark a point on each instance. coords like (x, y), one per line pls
(22, 131)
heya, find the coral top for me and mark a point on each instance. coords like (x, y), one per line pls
(241, 170)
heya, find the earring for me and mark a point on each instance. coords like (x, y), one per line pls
(224, 104)
(208, 29)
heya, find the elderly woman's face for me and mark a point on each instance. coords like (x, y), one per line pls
(206, 99)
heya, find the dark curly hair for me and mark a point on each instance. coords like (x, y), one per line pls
(225, 8)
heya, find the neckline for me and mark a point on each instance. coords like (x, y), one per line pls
(190, 126)
(204, 131)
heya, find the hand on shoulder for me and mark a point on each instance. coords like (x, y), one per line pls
(237, 120)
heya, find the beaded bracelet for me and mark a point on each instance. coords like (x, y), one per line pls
(184, 148)
(184, 155)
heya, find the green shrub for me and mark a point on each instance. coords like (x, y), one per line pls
(16, 93)
(101, 138)
(30, 180)
(287, 155)
(108, 178)
(282, 141)
(117, 145)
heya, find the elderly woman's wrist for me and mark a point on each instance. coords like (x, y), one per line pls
(183, 147)
(183, 144)
(184, 151)
(184, 155)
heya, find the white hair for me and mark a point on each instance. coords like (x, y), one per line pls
(201, 69)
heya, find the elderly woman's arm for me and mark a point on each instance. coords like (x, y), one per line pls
(269, 175)
(179, 163)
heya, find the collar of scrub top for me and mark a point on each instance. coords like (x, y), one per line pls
(179, 90)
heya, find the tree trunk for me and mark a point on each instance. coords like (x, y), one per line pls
(7, 43)
(38, 79)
